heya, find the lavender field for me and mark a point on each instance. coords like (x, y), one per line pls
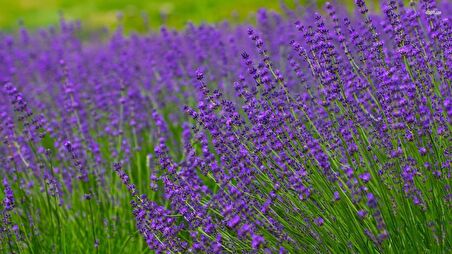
(311, 131)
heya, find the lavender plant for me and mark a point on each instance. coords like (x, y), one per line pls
(307, 133)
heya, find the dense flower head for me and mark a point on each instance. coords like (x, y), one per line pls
(304, 133)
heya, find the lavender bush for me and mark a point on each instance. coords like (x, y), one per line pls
(308, 133)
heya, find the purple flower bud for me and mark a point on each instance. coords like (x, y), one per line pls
(233, 221)
(365, 177)
(319, 221)
(423, 151)
(199, 74)
(244, 230)
(256, 241)
(362, 213)
(336, 196)
(371, 201)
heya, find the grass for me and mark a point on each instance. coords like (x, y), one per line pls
(98, 13)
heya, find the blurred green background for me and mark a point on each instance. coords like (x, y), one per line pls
(101, 13)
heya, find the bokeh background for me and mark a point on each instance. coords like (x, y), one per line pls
(137, 15)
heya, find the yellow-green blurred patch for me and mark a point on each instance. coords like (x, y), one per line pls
(97, 13)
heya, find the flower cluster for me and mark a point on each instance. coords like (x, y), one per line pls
(306, 133)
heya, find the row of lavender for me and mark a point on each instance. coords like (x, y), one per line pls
(308, 133)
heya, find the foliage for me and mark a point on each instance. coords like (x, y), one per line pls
(303, 134)
(136, 15)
